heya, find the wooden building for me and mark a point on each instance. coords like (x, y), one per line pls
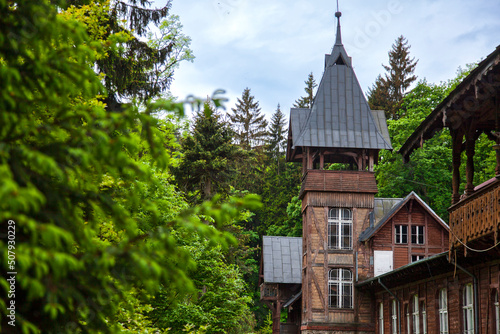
(456, 291)
(390, 265)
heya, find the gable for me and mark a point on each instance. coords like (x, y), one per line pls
(399, 213)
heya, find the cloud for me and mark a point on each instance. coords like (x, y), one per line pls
(271, 46)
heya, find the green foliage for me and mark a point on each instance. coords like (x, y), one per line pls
(94, 223)
(135, 68)
(276, 143)
(292, 226)
(306, 101)
(220, 304)
(248, 123)
(207, 165)
(428, 172)
(388, 92)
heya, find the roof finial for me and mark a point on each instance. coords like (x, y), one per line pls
(338, 14)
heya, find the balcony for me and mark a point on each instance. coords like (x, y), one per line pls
(475, 220)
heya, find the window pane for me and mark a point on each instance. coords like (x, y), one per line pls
(333, 213)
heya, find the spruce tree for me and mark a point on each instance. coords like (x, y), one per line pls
(388, 92)
(306, 101)
(277, 134)
(207, 166)
(250, 126)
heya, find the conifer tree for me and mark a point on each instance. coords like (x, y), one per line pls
(207, 166)
(277, 134)
(136, 69)
(388, 92)
(306, 101)
(250, 126)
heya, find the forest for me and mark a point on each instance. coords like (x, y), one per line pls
(126, 215)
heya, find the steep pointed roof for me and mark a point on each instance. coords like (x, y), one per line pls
(340, 116)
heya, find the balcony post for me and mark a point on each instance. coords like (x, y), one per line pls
(456, 135)
(470, 146)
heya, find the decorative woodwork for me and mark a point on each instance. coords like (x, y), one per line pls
(476, 216)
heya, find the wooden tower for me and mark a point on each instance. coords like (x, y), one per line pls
(339, 129)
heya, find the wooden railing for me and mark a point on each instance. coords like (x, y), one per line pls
(475, 216)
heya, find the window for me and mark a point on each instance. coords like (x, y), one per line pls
(381, 318)
(415, 316)
(415, 258)
(401, 234)
(407, 311)
(468, 309)
(339, 228)
(340, 288)
(394, 317)
(424, 317)
(417, 235)
(497, 312)
(443, 311)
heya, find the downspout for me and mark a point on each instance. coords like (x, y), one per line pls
(476, 294)
(399, 303)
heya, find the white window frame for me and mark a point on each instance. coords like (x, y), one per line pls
(381, 318)
(468, 309)
(443, 311)
(424, 317)
(401, 234)
(415, 258)
(497, 312)
(416, 315)
(340, 229)
(340, 288)
(394, 317)
(408, 322)
(417, 234)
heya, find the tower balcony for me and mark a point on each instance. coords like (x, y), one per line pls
(475, 219)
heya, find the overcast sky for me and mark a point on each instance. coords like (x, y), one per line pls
(270, 46)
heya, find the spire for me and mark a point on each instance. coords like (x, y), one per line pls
(338, 14)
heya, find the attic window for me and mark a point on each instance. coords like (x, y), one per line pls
(339, 61)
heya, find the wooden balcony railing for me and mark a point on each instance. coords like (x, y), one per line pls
(476, 216)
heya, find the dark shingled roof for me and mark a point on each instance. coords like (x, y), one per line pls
(282, 259)
(340, 116)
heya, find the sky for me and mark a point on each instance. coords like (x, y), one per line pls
(270, 46)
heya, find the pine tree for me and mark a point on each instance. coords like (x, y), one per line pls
(250, 126)
(207, 166)
(277, 134)
(306, 101)
(388, 92)
(137, 69)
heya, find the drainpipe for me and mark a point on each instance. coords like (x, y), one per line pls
(399, 303)
(476, 294)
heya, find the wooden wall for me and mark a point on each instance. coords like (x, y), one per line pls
(318, 260)
(435, 240)
(488, 280)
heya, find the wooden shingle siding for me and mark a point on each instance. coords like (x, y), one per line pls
(339, 181)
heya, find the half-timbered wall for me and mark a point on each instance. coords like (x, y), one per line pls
(317, 316)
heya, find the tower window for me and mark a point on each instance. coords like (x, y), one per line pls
(340, 288)
(340, 229)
